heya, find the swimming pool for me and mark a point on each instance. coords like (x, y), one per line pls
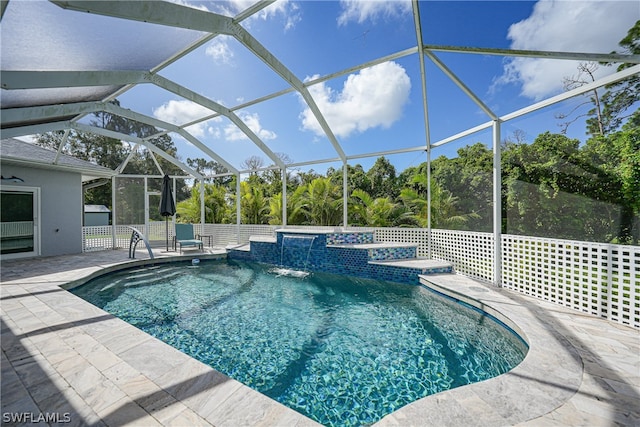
(341, 350)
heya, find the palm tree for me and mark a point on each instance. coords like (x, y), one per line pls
(323, 202)
(296, 204)
(443, 205)
(379, 212)
(253, 204)
(216, 207)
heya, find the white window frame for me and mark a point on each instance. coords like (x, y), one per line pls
(36, 220)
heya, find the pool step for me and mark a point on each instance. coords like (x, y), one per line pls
(425, 265)
(383, 251)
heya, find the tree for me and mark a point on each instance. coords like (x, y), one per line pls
(469, 179)
(380, 212)
(296, 206)
(323, 202)
(252, 163)
(556, 188)
(586, 75)
(623, 94)
(444, 213)
(612, 108)
(210, 168)
(618, 159)
(382, 179)
(272, 178)
(254, 206)
(216, 205)
(357, 178)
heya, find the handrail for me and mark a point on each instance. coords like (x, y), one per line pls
(137, 236)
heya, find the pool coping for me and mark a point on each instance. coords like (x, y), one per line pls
(136, 377)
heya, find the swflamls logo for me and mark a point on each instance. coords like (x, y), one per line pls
(31, 417)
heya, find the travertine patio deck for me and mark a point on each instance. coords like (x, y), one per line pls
(61, 355)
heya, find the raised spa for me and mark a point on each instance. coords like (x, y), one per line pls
(341, 350)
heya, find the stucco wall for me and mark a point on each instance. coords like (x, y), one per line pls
(60, 207)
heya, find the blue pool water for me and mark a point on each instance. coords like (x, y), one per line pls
(343, 351)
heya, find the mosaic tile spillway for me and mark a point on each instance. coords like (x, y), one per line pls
(337, 253)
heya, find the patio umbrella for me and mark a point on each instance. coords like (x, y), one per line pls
(167, 205)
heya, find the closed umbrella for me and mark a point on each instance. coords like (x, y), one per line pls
(167, 205)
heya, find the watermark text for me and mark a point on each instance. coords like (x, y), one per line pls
(36, 417)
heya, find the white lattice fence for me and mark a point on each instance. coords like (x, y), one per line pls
(405, 235)
(225, 234)
(99, 238)
(255, 230)
(157, 231)
(595, 278)
(470, 252)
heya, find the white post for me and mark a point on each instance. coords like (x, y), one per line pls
(114, 240)
(202, 206)
(497, 206)
(238, 207)
(345, 195)
(173, 218)
(429, 201)
(146, 208)
(284, 197)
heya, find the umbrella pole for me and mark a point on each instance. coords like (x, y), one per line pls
(166, 223)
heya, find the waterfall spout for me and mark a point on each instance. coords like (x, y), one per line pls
(299, 247)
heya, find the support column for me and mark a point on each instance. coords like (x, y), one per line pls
(497, 206)
(175, 200)
(429, 202)
(146, 207)
(113, 213)
(238, 207)
(284, 196)
(201, 206)
(345, 195)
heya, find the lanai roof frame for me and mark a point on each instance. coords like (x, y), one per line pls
(28, 116)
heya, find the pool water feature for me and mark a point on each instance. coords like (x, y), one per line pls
(344, 351)
(299, 243)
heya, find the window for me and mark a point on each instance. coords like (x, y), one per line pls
(19, 221)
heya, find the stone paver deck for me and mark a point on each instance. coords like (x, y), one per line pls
(62, 357)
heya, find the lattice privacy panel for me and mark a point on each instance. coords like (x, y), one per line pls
(419, 236)
(226, 234)
(595, 278)
(97, 238)
(470, 252)
(100, 238)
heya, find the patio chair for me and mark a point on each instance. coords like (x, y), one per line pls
(184, 237)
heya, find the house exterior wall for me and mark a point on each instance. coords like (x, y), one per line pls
(61, 207)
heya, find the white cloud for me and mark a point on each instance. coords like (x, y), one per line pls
(233, 133)
(181, 112)
(220, 50)
(374, 97)
(565, 26)
(363, 10)
(289, 11)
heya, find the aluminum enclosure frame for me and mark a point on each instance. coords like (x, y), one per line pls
(37, 118)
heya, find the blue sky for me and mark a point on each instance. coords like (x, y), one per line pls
(380, 108)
